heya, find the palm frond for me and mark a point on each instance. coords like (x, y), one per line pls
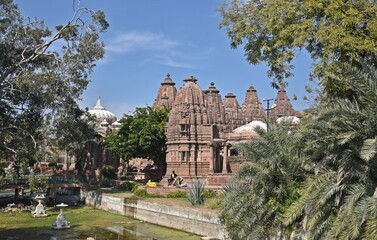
(369, 149)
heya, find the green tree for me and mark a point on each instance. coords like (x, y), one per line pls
(37, 183)
(339, 199)
(260, 191)
(331, 31)
(43, 73)
(141, 135)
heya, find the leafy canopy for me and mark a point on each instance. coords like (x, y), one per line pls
(330, 30)
(141, 135)
(43, 73)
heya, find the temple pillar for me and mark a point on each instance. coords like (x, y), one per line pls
(225, 158)
(211, 158)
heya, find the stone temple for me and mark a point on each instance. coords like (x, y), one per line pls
(202, 127)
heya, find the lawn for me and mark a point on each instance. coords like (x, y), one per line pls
(85, 222)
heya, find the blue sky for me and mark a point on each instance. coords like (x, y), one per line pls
(149, 38)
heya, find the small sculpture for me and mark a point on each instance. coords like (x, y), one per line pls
(39, 211)
(61, 221)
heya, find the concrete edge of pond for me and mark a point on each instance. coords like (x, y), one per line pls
(197, 221)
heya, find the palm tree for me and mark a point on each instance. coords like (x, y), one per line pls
(260, 191)
(339, 199)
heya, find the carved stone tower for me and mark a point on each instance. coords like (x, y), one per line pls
(283, 106)
(252, 108)
(214, 104)
(166, 94)
(233, 113)
(188, 132)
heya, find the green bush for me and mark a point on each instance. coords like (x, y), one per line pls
(52, 164)
(141, 192)
(135, 188)
(37, 183)
(209, 193)
(177, 194)
(127, 186)
(214, 203)
(196, 193)
(108, 172)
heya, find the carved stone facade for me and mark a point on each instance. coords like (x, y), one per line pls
(252, 108)
(199, 130)
(283, 106)
(166, 93)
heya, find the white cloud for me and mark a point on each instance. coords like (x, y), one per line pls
(153, 47)
(140, 41)
(168, 61)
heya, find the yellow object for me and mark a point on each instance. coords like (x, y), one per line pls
(151, 184)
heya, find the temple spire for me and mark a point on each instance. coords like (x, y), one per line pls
(99, 104)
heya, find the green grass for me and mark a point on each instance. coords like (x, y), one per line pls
(85, 222)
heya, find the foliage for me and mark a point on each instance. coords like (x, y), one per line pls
(127, 186)
(332, 31)
(260, 191)
(141, 192)
(196, 195)
(177, 194)
(108, 171)
(37, 183)
(338, 200)
(141, 135)
(43, 73)
(2, 181)
(209, 193)
(135, 187)
(214, 203)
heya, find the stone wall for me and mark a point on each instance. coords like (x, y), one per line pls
(198, 221)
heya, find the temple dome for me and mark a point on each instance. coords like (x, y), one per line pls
(102, 114)
(190, 94)
(290, 120)
(189, 104)
(250, 127)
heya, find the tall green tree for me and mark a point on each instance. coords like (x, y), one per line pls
(141, 135)
(339, 199)
(330, 30)
(43, 73)
(260, 192)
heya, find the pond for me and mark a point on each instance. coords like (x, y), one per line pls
(85, 222)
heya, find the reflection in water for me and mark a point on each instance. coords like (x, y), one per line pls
(139, 231)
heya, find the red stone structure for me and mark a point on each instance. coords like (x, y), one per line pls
(252, 108)
(200, 127)
(283, 106)
(166, 93)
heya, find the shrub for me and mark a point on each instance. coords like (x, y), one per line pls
(196, 193)
(127, 186)
(52, 164)
(177, 194)
(108, 172)
(135, 188)
(209, 193)
(214, 203)
(37, 183)
(141, 192)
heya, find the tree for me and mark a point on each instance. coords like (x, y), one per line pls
(261, 191)
(141, 135)
(339, 199)
(331, 31)
(43, 73)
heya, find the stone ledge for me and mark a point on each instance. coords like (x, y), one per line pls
(197, 221)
